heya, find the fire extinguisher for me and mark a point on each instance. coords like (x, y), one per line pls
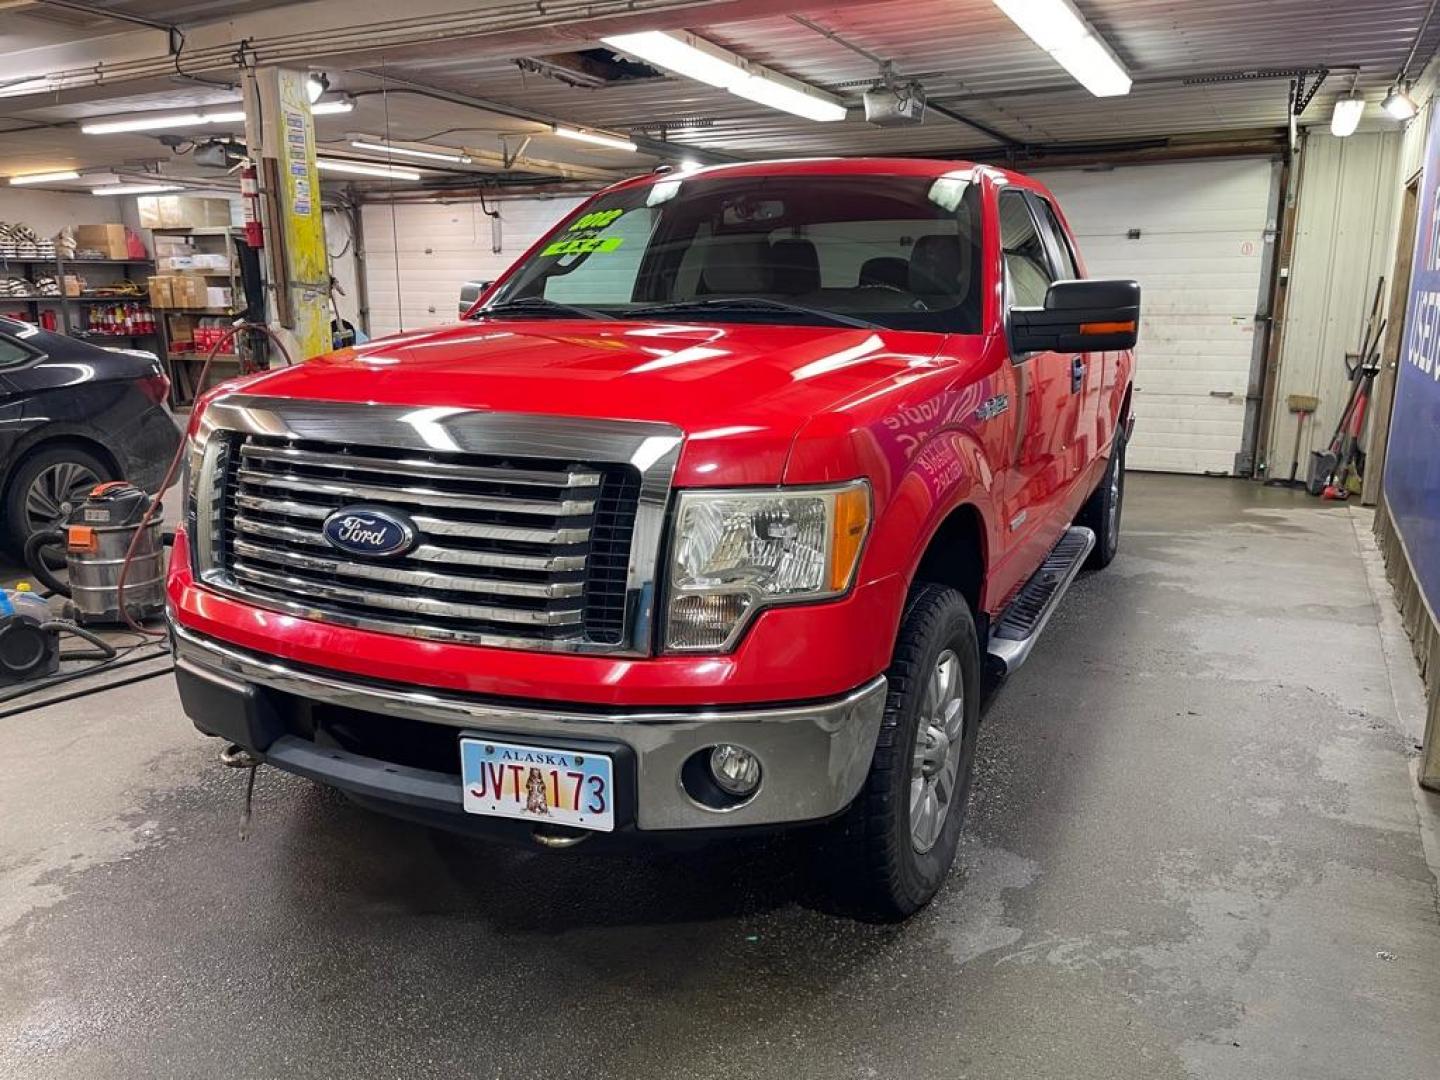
(250, 193)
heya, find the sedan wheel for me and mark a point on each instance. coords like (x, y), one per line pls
(54, 490)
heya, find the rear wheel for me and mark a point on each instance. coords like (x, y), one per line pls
(44, 488)
(1101, 512)
(897, 842)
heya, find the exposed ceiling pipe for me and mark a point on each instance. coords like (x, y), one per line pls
(647, 145)
(107, 13)
(1414, 45)
(543, 166)
(221, 47)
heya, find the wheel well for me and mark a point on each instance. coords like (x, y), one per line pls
(90, 446)
(956, 555)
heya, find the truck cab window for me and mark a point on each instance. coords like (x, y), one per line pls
(1027, 266)
(1061, 253)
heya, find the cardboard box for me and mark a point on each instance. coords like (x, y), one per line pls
(168, 263)
(180, 329)
(204, 260)
(160, 293)
(167, 245)
(182, 212)
(217, 297)
(188, 290)
(110, 240)
(71, 285)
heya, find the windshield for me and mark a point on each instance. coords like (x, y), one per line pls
(894, 251)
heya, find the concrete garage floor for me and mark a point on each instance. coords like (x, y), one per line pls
(1193, 852)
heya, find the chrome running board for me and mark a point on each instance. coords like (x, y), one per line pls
(1015, 631)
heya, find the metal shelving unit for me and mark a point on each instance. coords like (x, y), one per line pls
(185, 366)
(68, 306)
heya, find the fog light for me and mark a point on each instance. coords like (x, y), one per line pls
(735, 769)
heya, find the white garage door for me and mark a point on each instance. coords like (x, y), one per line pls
(1198, 258)
(416, 261)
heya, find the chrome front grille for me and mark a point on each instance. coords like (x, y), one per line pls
(534, 552)
(532, 532)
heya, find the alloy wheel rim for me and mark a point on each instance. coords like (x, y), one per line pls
(935, 762)
(54, 490)
(1112, 524)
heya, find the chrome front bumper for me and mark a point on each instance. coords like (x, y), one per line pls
(814, 756)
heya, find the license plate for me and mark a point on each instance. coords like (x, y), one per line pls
(537, 783)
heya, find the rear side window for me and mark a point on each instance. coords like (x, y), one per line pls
(13, 353)
(1060, 243)
(1027, 266)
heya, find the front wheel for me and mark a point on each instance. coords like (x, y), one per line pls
(897, 841)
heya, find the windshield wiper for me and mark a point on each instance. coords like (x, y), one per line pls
(748, 303)
(539, 305)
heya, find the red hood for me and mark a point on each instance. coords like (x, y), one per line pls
(739, 392)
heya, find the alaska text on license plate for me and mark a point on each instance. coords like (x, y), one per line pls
(537, 783)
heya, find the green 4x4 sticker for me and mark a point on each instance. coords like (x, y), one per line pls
(594, 222)
(583, 246)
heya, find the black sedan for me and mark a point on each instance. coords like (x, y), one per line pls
(73, 415)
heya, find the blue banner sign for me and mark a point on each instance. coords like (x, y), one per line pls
(1412, 460)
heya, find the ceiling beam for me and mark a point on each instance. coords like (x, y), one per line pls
(321, 32)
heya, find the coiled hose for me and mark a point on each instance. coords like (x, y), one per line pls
(35, 560)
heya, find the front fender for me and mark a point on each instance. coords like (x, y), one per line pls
(923, 449)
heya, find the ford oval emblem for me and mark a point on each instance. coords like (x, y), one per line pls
(369, 530)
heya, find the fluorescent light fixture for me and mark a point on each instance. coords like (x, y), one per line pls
(153, 121)
(767, 90)
(365, 168)
(1058, 28)
(431, 155)
(333, 107)
(695, 58)
(46, 177)
(615, 142)
(1399, 104)
(156, 122)
(684, 54)
(316, 85)
(1346, 117)
(134, 189)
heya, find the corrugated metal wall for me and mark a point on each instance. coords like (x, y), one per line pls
(1344, 241)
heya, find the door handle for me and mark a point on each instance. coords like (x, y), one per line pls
(1077, 374)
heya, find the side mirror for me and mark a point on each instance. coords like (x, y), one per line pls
(470, 292)
(1079, 316)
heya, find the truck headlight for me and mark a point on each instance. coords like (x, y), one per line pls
(736, 552)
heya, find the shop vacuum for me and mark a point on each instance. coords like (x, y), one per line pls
(96, 538)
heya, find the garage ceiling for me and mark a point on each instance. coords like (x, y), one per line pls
(974, 63)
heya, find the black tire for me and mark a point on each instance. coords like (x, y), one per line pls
(20, 505)
(874, 862)
(1101, 512)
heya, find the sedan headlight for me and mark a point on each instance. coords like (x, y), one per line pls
(736, 552)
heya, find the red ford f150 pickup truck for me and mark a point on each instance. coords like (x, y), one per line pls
(711, 515)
